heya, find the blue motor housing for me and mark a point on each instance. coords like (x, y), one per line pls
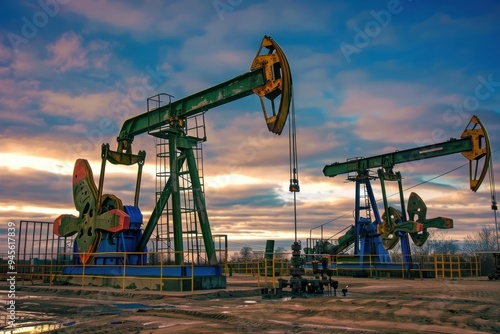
(370, 241)
(120, 242)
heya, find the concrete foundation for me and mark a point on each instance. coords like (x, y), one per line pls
(147, 283)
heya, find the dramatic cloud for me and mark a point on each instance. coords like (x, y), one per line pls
(366, 80)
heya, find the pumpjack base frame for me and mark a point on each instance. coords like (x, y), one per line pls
(177, 278)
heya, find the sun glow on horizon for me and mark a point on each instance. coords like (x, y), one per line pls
(15, 161)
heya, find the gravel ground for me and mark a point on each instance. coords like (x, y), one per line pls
(370, 306)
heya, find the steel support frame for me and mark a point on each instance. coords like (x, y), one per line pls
(180, 152)
(360, 181)
(403, 237)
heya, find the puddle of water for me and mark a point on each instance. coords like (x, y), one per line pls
(35, 328)
(152, 323)
(35, 322)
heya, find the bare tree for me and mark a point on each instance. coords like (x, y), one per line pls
(483, 241)
(235, 257)
(438, 243)
(480, 244)
(245, 254)
(281, 253)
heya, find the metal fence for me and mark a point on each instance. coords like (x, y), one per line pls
(438, 266)
(63, 268)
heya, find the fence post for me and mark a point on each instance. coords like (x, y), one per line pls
(192, 273)
(83, 273)
(402, 266)
(161, 273)
(435, 267)
(124, 270)
(50, 270)
(258, 274)
(452, 266)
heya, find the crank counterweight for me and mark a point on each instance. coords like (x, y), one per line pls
(91, 221)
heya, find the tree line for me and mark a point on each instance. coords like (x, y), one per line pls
(484, 240)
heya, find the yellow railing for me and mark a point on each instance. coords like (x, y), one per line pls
(50, 270)
(455, 266)
(422, 266)
(266, 271)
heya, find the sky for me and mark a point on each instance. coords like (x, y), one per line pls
(368, 78)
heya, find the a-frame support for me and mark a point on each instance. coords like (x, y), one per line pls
(403, 236)
(181, 156)
(366, 239)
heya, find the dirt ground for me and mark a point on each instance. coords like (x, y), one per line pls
(370, 306)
